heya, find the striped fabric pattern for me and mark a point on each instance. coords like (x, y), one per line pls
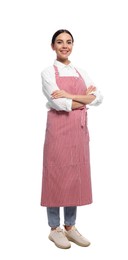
(66, 178)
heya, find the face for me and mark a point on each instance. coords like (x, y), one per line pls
(63, 47)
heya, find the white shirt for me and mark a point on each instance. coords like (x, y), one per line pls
(49, 85)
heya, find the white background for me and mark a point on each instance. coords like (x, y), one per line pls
(101, 48)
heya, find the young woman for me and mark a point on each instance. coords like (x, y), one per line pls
(66, 178)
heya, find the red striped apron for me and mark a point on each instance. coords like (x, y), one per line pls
(66, 178)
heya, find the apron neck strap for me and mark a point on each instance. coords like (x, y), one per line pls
(56, 71)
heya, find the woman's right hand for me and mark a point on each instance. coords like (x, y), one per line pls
(61, 94)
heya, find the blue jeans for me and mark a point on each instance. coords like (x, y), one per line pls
(53, 214)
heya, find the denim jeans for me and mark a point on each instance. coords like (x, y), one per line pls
(53, 214)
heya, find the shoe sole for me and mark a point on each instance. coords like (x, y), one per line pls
(76, 242)
(59, 245)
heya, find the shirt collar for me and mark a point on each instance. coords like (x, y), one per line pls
(61, 65)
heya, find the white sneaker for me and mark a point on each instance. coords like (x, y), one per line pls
(74, 236)
(58, 237)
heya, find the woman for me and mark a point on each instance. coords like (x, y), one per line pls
(66, 178)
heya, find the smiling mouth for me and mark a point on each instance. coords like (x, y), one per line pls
(64, 52)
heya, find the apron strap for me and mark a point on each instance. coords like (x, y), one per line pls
(56, 71)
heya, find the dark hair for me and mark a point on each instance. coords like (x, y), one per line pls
(59, 32)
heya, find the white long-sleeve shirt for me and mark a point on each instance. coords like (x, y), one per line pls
(49, 85)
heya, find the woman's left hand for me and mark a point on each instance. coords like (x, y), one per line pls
(90, 90)
(61, 94)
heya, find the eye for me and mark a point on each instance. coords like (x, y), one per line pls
(69, 42)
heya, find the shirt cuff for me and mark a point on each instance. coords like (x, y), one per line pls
(60, 104)
(69, 104)
(98, 100)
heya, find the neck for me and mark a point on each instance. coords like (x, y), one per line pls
(66, 62)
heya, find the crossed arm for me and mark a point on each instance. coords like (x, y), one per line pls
(77, 100)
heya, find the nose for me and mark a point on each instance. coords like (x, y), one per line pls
(64, 45)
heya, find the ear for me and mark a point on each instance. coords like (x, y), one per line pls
(52, 46)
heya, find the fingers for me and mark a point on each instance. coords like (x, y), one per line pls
(90, 89)
(54, 93)
(57, 94)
